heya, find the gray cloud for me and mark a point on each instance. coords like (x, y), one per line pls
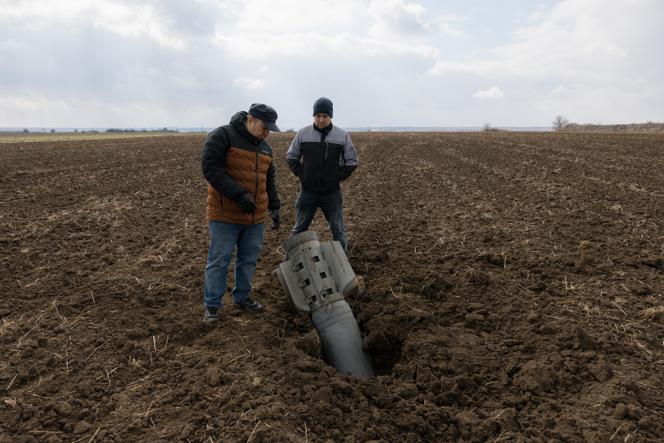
(383, 62)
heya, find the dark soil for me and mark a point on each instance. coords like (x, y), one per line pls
(514, 293)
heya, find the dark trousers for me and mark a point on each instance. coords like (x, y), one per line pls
(330, 202)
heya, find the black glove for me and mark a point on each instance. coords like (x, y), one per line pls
(295, 166)
(345, 172)
(274, 213)
(246, 204)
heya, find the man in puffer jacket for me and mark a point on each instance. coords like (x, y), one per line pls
(238, 166)
(321, 155)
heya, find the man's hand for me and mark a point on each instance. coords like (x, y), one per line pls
(246, 204)
(274, 213)
(295, 166)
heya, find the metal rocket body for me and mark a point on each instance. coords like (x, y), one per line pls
(316, 276)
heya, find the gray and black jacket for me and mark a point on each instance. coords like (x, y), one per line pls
(321, 158)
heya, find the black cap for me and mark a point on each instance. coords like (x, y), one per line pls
(266, 114)
(323, 106)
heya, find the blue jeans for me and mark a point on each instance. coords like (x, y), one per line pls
(331, 203)
(224, 239)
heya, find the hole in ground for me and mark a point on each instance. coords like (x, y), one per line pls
(384, 350)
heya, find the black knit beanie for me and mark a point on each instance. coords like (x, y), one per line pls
(323, 106)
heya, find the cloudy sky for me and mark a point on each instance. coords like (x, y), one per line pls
(193, 63)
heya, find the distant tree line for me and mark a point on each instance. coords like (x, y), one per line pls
(561, 123)
(164, 129)
(488, 128)
(110, 130)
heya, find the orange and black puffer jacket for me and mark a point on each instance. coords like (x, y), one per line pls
(234, 162)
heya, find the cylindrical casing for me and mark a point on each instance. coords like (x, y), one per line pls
(341, 340)
(335, 257)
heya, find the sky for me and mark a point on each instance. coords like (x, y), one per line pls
(194, 63)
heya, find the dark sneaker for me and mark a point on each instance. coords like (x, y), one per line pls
(211, 316)
(249, 305)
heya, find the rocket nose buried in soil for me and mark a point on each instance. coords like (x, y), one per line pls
(316, 276)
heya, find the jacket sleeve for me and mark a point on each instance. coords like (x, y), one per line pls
(213, 160)
(271, 185)
(350, 160)
(293, 156)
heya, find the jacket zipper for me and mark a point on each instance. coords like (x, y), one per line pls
(253, 214)
(322, 162)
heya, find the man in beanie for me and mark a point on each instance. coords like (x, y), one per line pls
(321, 155)
(238, 166)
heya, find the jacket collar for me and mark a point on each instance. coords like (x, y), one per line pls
(239, 123)
(326, 130)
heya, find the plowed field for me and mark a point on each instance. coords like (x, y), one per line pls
(515, 289)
